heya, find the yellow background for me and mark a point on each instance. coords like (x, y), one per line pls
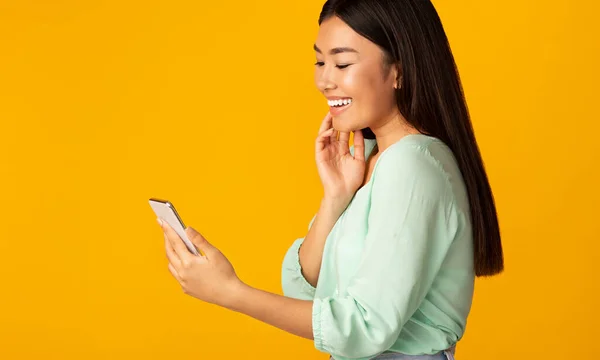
(211, 105)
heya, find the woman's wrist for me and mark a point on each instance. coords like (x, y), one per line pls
(234, 295)
(334, 205)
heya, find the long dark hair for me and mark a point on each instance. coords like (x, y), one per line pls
(430, 98)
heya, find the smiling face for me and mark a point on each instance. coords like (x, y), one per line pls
(352, 74)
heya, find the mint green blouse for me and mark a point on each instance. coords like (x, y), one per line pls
(397, 269)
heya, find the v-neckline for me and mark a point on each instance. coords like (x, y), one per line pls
(373, 171)
(381, 154)
(368, 157)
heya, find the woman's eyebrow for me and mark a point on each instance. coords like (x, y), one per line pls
(337, 50)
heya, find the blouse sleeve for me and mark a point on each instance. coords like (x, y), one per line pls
(293, 283)
(411, 223)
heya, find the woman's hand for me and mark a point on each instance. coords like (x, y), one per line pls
(341, 173)
(210, 277)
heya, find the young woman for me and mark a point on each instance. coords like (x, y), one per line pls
(407, 220)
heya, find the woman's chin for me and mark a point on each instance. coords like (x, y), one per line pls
(343, 125)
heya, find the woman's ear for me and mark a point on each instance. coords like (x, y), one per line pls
(398, 76)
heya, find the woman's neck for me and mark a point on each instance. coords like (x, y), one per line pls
(391, 131)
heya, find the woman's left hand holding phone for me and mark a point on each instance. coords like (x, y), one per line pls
(209, 277)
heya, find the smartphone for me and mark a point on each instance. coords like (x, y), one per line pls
(165, 210)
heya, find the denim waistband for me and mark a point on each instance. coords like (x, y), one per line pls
(447, 354)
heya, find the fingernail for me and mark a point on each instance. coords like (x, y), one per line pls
(159, 221)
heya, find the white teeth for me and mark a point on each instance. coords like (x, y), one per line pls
(339, 102)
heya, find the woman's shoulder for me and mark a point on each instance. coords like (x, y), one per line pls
(415, 152)
(420, 160)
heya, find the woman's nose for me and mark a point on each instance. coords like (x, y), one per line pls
(324, 81)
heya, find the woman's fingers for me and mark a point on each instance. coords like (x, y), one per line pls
(324, 136)
(171, 255)
(326, 123)
(359, 145)
(174, 272)
(177, 244)
(345, 137)
(324, 139)
(334, 136)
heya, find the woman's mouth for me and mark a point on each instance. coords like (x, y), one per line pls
(338, 106)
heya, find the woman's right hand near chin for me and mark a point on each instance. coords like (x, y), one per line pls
(341, 173)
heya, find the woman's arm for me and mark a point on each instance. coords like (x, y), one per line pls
(295, 271)
(311, 250)
(291, 315)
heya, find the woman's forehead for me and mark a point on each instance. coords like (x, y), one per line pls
(334, 33)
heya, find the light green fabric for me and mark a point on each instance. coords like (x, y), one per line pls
(397, 269)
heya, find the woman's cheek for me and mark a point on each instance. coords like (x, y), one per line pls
(351, 83)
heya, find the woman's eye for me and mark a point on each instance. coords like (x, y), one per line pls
(320, 63)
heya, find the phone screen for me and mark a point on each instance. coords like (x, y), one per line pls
(165, 210)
